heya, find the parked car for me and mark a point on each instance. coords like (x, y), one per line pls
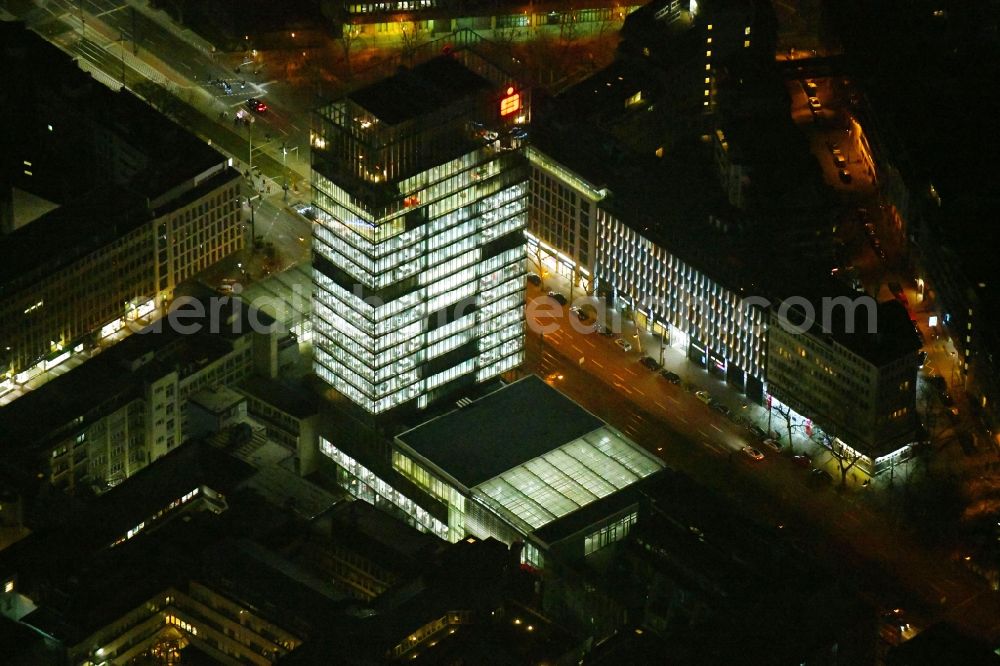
(624, 344)
(580, 314)
(820, 476)
(757, 430)
(558, 298)
(844, 175)
(811, 88)
(671, 377)
(752, 453)
(815, 104)
(838, 158)
(802, 460)
(650, 362)
(719, 407)
(773, 444)
(703, 396)
(535, 279)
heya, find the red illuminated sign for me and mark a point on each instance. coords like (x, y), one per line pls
(511, 103)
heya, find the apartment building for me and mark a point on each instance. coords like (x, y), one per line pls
(419, 250)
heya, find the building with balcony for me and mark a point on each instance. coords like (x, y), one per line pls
(418, 269)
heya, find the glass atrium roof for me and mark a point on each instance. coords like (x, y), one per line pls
(568, 478)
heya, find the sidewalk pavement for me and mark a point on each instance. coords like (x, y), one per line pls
(743, 410)
(162, 19)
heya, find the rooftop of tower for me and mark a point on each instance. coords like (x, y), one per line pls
(422, 89)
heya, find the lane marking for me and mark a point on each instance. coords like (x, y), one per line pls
(715, 447)
(681, 418)
(596, 363)
(640, 392)
(659, 404)
(716, 427)
(673, 400)
(618, 377)
(628, 369)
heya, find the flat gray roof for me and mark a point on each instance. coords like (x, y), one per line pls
(500, 431)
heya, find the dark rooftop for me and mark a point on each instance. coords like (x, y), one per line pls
(500, 431)
(291, 398)
(892, 338)
(70, 232)
(942, 644)
(427, 87)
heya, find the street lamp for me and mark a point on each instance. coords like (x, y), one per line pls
(253, 229)
(284, 167)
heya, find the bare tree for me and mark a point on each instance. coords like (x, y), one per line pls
(568, 24)
(349, 39)
(785, 414)
(410, 40)
(845, 456)
(536, 258)
(505, 36)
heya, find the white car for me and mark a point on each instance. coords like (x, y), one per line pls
(624, 344)
(773, 443)
(752, 452)
(703, 396)
(815, 104)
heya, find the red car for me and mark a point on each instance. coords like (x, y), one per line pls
(802, 461)
(256, 105)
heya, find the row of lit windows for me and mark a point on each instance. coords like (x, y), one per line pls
(683, 296)
(420, 515)
(609, 534)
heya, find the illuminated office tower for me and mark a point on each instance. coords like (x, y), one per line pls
(419, 187)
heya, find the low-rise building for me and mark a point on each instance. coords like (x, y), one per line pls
(291, 414)
(515, 463)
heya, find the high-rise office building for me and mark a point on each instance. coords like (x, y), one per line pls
(418, 252)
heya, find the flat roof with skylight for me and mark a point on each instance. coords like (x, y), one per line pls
(526, 453)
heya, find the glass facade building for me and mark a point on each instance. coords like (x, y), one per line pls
(720, 328)
(418, 251)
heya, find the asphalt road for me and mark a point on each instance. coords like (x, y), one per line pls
(843, 530)
(97, 30)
